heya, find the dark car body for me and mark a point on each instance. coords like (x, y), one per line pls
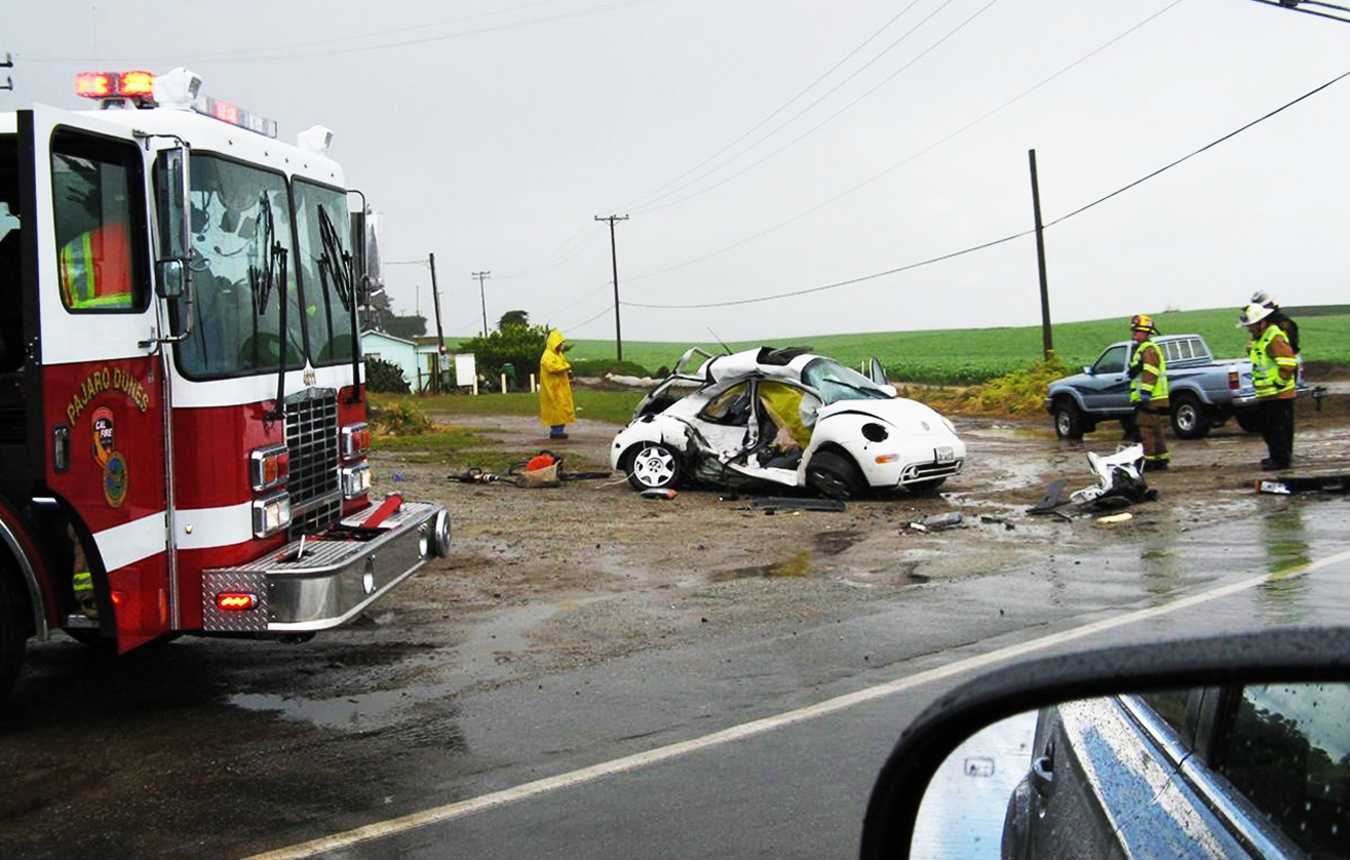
(1255, 771)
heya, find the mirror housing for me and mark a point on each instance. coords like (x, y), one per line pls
(171, 277)
(1087, 368)
(1271, 656)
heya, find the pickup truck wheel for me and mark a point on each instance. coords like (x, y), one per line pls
(1189, 418)
(13, 630)
(1249, 420)
(1069, 422)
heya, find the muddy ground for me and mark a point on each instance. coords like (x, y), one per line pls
(555, 578)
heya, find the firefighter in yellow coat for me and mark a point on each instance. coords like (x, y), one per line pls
(555, 387)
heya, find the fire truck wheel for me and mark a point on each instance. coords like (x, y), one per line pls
(13, 631)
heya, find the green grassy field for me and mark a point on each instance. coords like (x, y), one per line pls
(615, 407)
(966, 356)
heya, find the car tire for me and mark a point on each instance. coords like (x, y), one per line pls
(926, 488)
(1189, 418)
(1249, 420)
(13, 630)
(653, 466)
(835, 476)
(1069, 422)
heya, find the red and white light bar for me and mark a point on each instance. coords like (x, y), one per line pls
(139, 86)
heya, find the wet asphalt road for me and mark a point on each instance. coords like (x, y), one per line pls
(177, 764)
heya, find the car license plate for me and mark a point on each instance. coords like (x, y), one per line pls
(944, 454)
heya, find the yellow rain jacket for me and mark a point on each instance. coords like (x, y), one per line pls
(555, 387)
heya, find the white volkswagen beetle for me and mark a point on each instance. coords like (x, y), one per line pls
(787, 417)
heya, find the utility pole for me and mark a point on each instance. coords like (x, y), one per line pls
(440, 335)
(614, 260)
(1047, 343)
(482, 296)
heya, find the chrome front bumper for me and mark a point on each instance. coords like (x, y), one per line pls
(333, 581)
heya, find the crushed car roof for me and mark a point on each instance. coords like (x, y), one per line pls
(770, 362)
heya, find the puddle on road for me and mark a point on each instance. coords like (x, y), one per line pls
(835, 542)
(798, 566)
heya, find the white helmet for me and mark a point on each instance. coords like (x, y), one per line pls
(1253, 314)
(1261, 297)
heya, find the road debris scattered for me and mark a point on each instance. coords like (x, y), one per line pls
(788, 503)
(1120, 483)
(1115, 518)
(1305, 484)
(938, 522)
(665, 495)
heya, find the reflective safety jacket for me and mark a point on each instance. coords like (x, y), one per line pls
(95, 269)
(1148, 372)
(1271, 354)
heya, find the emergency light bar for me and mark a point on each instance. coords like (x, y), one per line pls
(139, 86)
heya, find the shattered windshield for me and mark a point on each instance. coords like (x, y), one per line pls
(836, 382)
(240, 215)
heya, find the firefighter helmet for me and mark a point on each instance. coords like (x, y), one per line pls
(1253, 314)
(1142, 322)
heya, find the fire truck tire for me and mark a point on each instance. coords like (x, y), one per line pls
(13, 630)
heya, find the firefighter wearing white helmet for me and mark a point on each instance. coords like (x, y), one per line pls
(1274, 374)
(1278, 317)
(1148, 392)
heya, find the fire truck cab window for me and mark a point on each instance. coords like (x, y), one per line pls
(241, 221)
(327, 316)
(97, 201)
(11, 308)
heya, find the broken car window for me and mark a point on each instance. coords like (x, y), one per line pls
(731, 407)
(836, 382)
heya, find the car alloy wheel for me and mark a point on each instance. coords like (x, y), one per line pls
(654, 466)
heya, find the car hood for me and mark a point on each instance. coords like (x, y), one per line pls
(909, 416)
(1075, 380)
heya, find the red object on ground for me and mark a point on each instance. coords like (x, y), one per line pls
(391, 503)
(539, 461)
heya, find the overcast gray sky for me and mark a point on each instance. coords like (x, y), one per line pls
(492, 131)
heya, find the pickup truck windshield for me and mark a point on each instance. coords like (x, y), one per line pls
(235, 329)
(836, 382)
(327, 319)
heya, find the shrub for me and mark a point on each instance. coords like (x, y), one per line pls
(399, 418)
(385, 377)
(517, 345)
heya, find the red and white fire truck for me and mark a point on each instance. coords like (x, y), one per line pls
(183, 431)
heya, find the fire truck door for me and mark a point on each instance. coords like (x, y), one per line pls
(102, 372)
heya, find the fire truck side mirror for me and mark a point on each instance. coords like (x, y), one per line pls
(170, 278)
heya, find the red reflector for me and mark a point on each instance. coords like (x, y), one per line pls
(137, 84)
(236, 601)
(363, 441)
(93, 85)
(117, 598)
(1233, 380)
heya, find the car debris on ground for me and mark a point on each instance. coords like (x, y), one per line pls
(1292, 484)
(1120, 483)
(787, 503)
(544, 470)
(938, 522)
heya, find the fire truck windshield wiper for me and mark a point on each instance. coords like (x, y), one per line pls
(336, 266)
(262, 280)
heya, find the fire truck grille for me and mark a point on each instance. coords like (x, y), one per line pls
(312, 442)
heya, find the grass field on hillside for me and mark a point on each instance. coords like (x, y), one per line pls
(964, 356)
(615, 407)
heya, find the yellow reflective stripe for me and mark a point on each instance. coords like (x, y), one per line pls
(1286, 361)
(83, 581)
(89, 281)
(1151, 368)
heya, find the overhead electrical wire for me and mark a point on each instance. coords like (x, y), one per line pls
(656, 193)
(287, 54)
(912, 157)
(983, 245)
(1299, 8)
(827, 120)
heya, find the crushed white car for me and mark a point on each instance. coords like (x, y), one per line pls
(785, 417)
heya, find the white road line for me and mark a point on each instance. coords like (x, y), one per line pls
(756, 727)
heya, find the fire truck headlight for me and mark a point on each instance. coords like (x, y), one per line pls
(355, 481)
(271, 514)
(355, 441)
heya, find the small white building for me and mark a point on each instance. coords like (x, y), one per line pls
(395, 350)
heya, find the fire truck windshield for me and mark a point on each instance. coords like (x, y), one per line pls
(327, 319)
(231, 336)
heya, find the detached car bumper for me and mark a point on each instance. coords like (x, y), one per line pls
(337, 577)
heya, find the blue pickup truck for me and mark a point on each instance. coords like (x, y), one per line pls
(1205, 391)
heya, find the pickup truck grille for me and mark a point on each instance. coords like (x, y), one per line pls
(312, 442)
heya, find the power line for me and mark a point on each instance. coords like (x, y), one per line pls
(603, 311)
(286, 54)
(915, 156)
(827, 120)
(656, 194)
(1297, 7)
(984, 245)
(1210, 145)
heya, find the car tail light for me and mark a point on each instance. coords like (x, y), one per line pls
(236, 601)
(355, 481)
(271, 514)
(355, 441)
(269, 467)
(1233, 382)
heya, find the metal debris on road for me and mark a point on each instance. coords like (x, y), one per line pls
(1305, 484)
(667, 495)
(1115, 518)
(938, 522)
(787, 503)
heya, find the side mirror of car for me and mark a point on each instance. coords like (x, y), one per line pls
(1037, 758)
(170, 278)
(1087, 368)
